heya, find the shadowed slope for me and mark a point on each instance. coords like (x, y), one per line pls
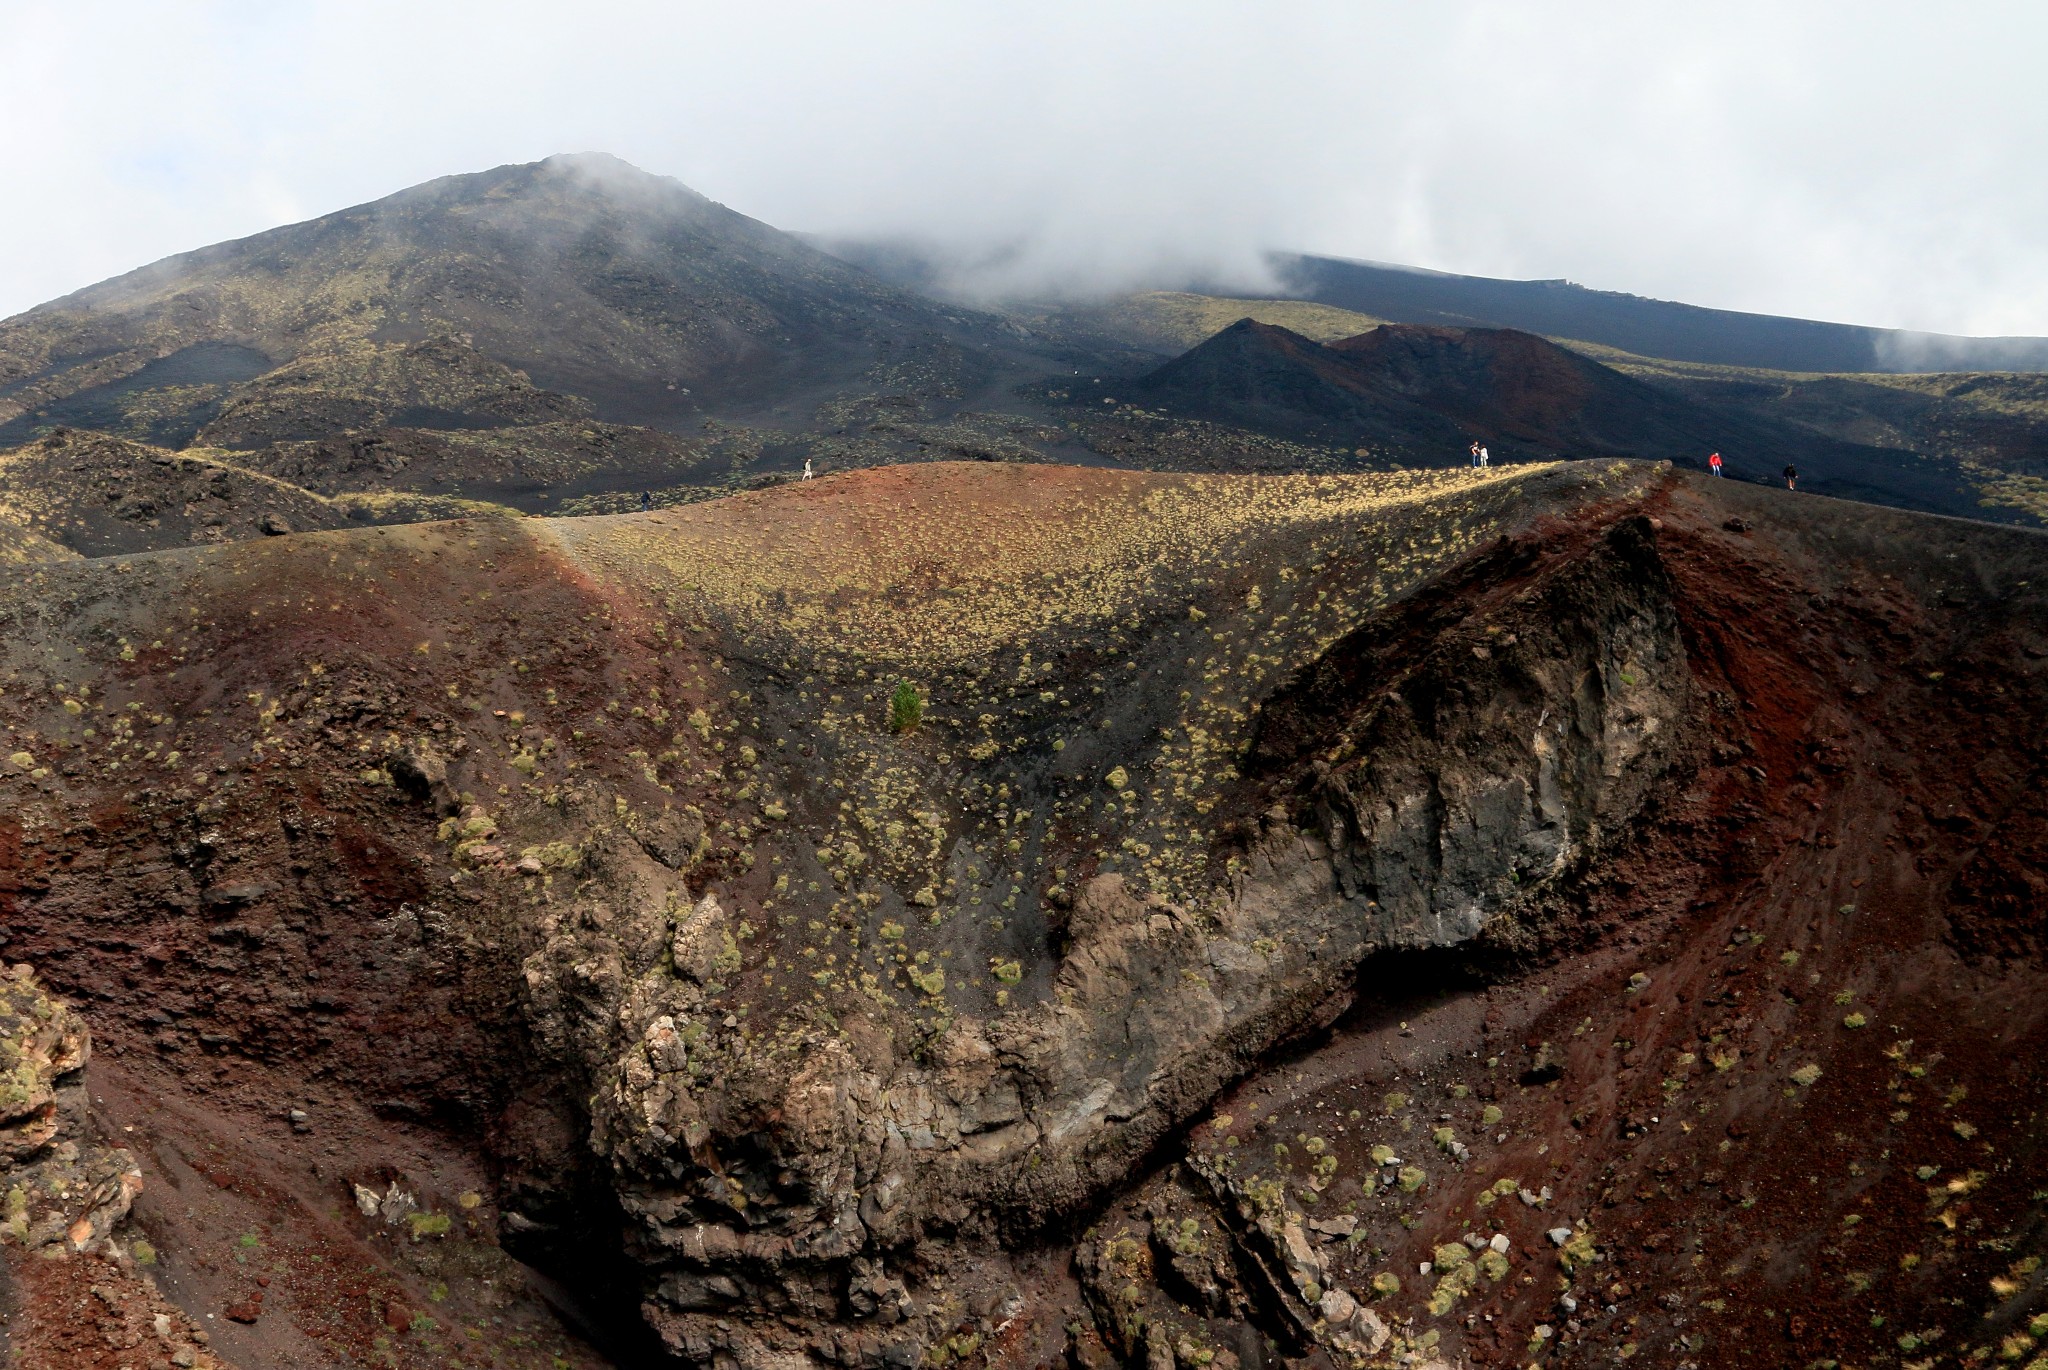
(1424, 394)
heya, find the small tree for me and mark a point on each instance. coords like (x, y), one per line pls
(906, 708)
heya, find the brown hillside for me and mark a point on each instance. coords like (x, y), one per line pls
(1287, 880)
(102, 496)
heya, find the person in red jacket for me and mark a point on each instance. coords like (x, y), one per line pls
(1714, 463)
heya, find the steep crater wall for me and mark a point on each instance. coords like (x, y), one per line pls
(1439, 776)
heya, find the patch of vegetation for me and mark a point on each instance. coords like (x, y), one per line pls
(906, 708)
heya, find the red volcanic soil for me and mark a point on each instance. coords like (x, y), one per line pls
(1784, 1062)
(1516, 383)
(1777, 1065)
(250, 930)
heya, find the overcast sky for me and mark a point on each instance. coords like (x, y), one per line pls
(1872, 162)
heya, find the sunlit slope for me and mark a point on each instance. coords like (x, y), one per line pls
(946, 563)
(1173, 321)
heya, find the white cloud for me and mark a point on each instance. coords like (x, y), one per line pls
(1873, 163)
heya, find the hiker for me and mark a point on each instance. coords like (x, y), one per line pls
(1485, 457)
(1475, 454)
(1714, 463)
(1791, 476)
(646, 501)
(807, 468)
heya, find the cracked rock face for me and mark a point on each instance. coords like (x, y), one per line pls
(802, 1175)
(76, 1288)
(63, 1191)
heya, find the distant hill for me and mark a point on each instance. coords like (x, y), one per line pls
(1424, 388)
(100, 496)
(1422, 395)
(571, 334)
(1651, 328)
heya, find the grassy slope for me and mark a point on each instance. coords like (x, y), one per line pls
(21, 547)
(1173, 321)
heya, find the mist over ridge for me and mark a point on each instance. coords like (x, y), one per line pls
(1724, 160)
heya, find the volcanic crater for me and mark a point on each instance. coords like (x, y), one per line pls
(1466, 918)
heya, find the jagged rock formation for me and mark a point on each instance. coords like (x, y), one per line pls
(77, 1294)
(1474, 782)
(63, 1191)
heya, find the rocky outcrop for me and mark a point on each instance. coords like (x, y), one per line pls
(63, 1190)
(1507, 758)
(79, 1291)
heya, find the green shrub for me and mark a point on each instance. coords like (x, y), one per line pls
(428, 1224)
(906, 708)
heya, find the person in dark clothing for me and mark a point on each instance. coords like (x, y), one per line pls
(1791, 476)
(646, 501)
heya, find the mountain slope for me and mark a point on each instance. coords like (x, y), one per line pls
(1168, 322)
(1651, 328)
(21, 547)
(574, 336)
(1424, 394)
(590, 276)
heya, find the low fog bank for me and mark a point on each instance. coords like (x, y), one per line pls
(1023, 270)
(1905, 351)
(1747, 157)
